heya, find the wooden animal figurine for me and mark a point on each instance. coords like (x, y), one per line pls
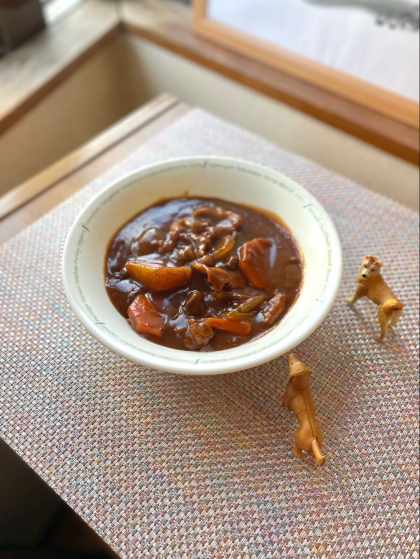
(298, 399)
(371, 283)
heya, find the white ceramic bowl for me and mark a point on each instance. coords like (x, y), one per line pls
(229, 179)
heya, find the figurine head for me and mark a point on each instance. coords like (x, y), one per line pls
(298, 379)
(370, 267)
(296, 367)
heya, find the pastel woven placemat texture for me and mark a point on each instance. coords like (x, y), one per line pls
(169, 466)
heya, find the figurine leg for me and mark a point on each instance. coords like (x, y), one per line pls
(353, 299)
(396, 315)
(297, 452)
(316, 449)
(287, 396)
(358, 294)
(383, 323)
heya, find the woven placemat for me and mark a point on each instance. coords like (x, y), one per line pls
(169, 466)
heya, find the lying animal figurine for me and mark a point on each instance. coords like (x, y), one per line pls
(371, 283)
(298, 399)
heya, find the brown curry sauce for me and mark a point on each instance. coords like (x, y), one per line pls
(232, 273)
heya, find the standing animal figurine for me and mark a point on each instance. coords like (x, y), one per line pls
(372, 284)
(298, 399)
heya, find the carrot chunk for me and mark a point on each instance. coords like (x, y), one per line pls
(144, 317)
(254, 261)
(275, 308)
(229, 325)
(158, 276)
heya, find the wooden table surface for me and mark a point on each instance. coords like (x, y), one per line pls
(27, 202)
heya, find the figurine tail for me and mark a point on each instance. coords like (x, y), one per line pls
(391, 306)
(317, 452)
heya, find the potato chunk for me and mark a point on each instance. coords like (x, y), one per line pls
(144, 318)
(158, 276)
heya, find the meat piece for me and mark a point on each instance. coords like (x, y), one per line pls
(196, 225)
(176, 228)
(233, 262)
(254, 261)
(202, 233)
(207, 260)
(157, 276)
(235, 219)
(165, 246)
(194, 304)
(144, 318)
(204, 245)
(233, 326)
(218, 213)
(219, 278)
(275, 308)
(198, 334)
(220, 230)
(199, 266)
(187, 253)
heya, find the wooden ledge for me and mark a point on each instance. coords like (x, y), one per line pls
(39, 183)
(32, 71)
(35, 197)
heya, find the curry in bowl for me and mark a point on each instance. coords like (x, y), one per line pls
(202, 274)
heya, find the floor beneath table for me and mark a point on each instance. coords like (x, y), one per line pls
(35, 523)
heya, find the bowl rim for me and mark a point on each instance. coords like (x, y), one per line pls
(251, 358)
